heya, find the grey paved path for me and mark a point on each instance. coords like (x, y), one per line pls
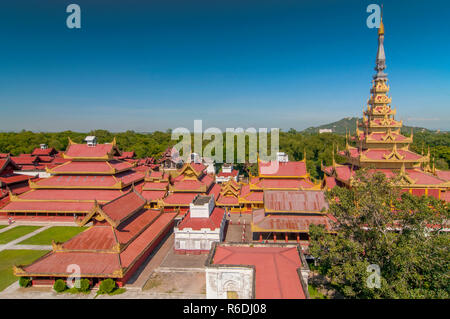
(7, 228)
(12, 244)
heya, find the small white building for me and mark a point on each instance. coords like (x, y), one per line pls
(282, 157)
(263, 271)
(91, 140)
(203, 225)
(227, 173)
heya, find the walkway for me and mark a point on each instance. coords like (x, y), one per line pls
(13, 244)
(153, 261)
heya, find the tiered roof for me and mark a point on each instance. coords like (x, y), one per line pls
(188, 182)
(88, 173)
(123, 230)
(380, 145)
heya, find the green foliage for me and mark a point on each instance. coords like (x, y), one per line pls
(414, 261)
(24, 282)
(318, 147)
(107, 286)
(59, 285)
(84, 285)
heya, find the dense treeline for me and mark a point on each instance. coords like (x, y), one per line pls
(318, 146)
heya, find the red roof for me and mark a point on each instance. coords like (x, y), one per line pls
(90, 263)
(47, 151)
(124, 206)
(180, 198)
(94, 238)
(295, 201)
(283, 223)
(83, 150)
(233, 173)
(155, 186)
(25, 160)
(275, 273)
(282, 169)
(153, 195)
(197, 223)
(146, 239)
(444, 175)
(129, 229)
(14, 178)
(72, 194)
(49, 206)
(92, 167)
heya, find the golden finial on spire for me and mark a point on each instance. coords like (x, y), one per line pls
(381, 28)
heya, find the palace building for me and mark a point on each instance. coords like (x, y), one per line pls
(10, 182)
(256, 271)
(123, 234)
(381, 147)
(186, 183)
(90, 174)
(288, 214)
(280, 175)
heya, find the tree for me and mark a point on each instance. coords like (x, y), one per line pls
(400, 234)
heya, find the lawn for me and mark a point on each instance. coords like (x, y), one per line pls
(9, 258)
(56, 233)
(15, 233)
(3, 226)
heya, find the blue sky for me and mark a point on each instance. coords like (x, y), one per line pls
(162, 64)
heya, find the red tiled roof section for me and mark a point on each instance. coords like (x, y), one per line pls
(123, 206)
(49, 206)
(89, 263)
(196, 223)
(83, 150)
(129, 229)
(72, 194)
(295, 201)
(130, 254)
(94, 238)
(180, 198)
(288, 223)
(153, 195)
(275, 269)
(291, 169)
(45, 152)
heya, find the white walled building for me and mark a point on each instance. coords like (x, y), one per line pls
(227, 173)
(260, 271)
(203, 225)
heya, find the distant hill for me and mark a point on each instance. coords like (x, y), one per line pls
(349, 123)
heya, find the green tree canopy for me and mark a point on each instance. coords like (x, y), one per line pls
(400, 234)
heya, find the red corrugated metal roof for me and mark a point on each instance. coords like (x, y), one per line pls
(275, 273)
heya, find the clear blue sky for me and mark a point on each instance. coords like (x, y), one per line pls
(161, 64)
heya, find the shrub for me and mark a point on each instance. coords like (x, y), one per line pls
(107, 286)
(84, 285)
(60, 285)
(24, 281)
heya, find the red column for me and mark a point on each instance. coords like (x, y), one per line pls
(274, 238)
(260, 238)
(298, 238)
(286, 237)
